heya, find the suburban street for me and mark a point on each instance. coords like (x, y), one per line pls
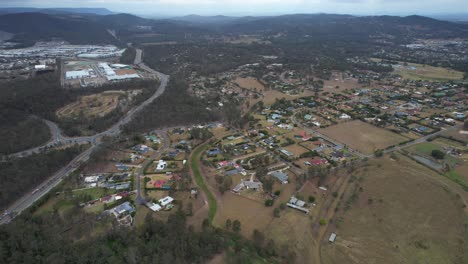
(165, 144)
(27, 200)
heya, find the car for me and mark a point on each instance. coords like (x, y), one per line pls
(307, 163)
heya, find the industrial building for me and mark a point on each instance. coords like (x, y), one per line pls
(70, 75)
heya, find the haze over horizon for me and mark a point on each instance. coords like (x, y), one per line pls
(254, 7)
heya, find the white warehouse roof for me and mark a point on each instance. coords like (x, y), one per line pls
(123, 77)
(77, 74)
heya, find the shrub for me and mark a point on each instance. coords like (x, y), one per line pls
(311, 199)
(269, 202)
(438, 154)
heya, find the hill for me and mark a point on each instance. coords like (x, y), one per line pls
(31, 27)
(94, 11)
(350, 27)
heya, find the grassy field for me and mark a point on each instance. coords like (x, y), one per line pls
(426, 148)
(425, 72)
(201, 183)
(401, 212)
(362, 136)
(250, 84)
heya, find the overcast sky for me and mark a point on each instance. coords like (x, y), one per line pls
(256, 7)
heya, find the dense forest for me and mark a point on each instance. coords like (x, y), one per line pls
(174, 107)
(55, 238)
(22, 133)
(204, 58)
(20, 175)
(128, 57)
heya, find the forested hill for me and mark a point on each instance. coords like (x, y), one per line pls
(31, 27)
(90, 28)
(94, 11)
(346, 26)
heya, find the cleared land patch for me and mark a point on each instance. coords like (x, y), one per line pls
(425, 72)
(362, 136)
(250, 84)
(91, 105)
(401, 213)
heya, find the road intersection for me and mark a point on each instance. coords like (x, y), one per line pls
(27, 200)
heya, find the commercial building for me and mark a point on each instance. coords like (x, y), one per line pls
(69, 75)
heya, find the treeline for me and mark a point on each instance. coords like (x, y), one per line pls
(128, 57)
(51, 238)
(19, 176)
(174, 107)
(19, 131)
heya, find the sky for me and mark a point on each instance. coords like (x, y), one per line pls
(256, 7)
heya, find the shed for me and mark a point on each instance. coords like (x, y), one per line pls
(332, 238)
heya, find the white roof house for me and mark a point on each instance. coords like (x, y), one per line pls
(165, 201)
(332, 238)
(91, 179)
(155, 207)
(161, 165)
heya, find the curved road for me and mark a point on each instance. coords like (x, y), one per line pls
(24, 202)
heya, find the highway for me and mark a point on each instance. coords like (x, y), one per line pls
(59, 139)
(27, 200)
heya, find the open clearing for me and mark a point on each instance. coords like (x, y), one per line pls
(91, 105)
(425, 72)
(252, 215)
(250, 84)
(404, 213)
(362, 136)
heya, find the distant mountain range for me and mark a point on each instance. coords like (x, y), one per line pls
(94, 11)
(85, 26)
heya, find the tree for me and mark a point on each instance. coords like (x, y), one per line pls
(269, 202)
(378, 153)
(323, 222)
(236, 226)
(268, 184)
(228, 224)
(438, 154)
(311, 199)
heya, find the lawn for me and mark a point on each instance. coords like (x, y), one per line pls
(426, 148)
(201, 183)
(94, 193)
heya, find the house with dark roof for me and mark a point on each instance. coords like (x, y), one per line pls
(280, 176)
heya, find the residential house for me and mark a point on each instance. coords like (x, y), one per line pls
(280, 176)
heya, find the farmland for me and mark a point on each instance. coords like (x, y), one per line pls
(418, 217)
(362, 136)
